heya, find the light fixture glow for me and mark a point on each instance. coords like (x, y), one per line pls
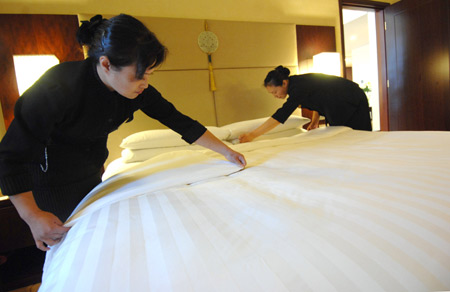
(305, 66)
(30, 67)
(327, 63)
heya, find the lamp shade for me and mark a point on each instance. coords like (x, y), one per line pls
(327, 63)
(30, 67)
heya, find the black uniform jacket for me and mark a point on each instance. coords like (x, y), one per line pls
(333, 97)
(58, 136)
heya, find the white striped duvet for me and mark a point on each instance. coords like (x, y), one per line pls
(329, 210)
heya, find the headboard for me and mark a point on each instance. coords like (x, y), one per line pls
(247, 52)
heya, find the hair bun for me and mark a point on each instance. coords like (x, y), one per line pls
(283, 70)
(86, 32)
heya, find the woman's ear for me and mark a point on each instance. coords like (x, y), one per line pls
(104, 63)
(103, 70)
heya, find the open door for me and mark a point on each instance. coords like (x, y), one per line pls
(417, 52)
(370, 54)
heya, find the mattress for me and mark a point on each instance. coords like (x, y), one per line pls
(331, 209)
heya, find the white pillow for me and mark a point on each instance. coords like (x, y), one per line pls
(239, 128)
(138, 155)
(164, 138)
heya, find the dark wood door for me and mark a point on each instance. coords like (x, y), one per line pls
(417, 50)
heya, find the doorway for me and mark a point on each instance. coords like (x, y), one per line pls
(361, 55)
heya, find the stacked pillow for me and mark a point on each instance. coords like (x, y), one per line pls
(164, 138)
(293, 123)
(144, 145)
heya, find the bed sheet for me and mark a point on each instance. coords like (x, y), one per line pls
(328, 210)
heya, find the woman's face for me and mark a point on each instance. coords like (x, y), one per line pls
(124, 81)
(278, 91)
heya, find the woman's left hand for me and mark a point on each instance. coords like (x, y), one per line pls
(236, 158)
(313, 125)
(315, 119)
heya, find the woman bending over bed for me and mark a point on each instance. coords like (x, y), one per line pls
(341, 101)
(53, 153)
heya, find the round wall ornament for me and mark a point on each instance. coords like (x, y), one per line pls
(208, 42)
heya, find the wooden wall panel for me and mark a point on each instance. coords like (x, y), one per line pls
(33, 34)
(312, 40)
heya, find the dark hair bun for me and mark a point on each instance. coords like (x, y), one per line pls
(87, 30)
(283, 71)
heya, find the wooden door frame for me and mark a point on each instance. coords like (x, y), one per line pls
(381, 51)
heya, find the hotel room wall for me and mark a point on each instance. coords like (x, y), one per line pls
(247, 52)
(320, 12)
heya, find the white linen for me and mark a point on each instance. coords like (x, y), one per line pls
(328, 210)
(164, 138)
(130, 157)
(138, 155)
(116, 166)
(239, 128)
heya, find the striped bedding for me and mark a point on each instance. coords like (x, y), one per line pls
(328, 210)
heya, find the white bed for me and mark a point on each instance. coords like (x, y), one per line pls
(327, 210)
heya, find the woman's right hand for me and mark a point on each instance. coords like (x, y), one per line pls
(46, 228)
(265, 127)
(247, 137)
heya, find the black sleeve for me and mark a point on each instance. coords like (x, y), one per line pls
(284, 112)
(165, 112)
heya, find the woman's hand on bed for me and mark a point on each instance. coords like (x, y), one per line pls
(236, 158)
(315, 119)
(265, 127)
(47, 229)
(210, 141)
(247, 137)
(312, 126)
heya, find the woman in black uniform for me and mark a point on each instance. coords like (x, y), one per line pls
(341, 101)
(54, 150)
